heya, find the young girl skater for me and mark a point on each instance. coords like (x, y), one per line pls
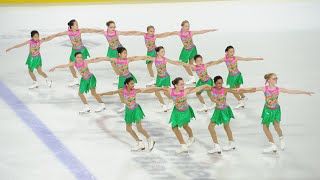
(204, 78)
(112, 36)
(34, 60)
(271, 111)
(74, 34)
(222, 114)
(235, 77)
(182, 112)
(163, 77)
(88, 80)
(122, 65)
(134, 113)
(189, 50)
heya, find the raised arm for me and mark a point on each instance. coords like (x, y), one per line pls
(248, 59)
(89, 30)
(62, 66)
(166, 34)
(295, 91)
(131, 33)
(212, 63)
(203, 31)
(137, 58)
(190, 90)
(111, 92)
(17, 46)
(177, 62)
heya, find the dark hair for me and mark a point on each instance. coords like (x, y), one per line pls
(197, 56)
(215, 79)
(129, 79)
(34, 32)
(176, 81)
(75, 55)
(71, 23)
(121, 49)
(149, 27)
(110, 22)
(229, 47)
(184, 22)
(159, 48)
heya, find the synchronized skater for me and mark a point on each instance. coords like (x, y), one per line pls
(182, 112)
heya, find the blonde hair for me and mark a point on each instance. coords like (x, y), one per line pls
(268, 76)
(184, 22)
(149, 27)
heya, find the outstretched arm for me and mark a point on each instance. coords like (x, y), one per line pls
(177, 62)
(17, 46)
(212, 63)
(49, 38)
(62, 66)
(241, 90)
(166, 34)
(136, 58)
(190, 90)
(203, 31)
(89, 30)
(295, 91)
(131, 33)
(111, 92)
(149, 89)
(98, 59)
(248, 59)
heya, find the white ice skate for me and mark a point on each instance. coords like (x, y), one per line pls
(116, 82)
(101, 107)
(211, 105)
(85, 110)
(190, 141)
(203, 108)
(244, 98)
(230, 146)
(34, 85)
(122, 109)
(271, 148)
(282, 144)
(75, 82)
(215, 150)
(151, 83)
(192, 81)
(164, 108)
(170, 104)
(240, 105)
(138, 147)
(150, 143)
(49, 82)
(182, 149)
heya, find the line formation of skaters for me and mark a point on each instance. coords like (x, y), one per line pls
(182, 112)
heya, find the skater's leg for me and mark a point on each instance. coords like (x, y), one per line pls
(178, 134)
(149, 66)
(187, 128)
(141, 130)
(131, 132)
(39, 69)
(278, 128)
(159, 97)
(83, 98)
(268, 133)
(94, 93)
(212, 131)
(73, 71)
(228, 131)
(33, 77)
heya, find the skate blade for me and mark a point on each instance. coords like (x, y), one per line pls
(100, 110)
(239, 108)
(216, 153)
(34, 87)
(82, 113)
(183, 152)
(152, 146)
(138, 150)
(232, 149)
(75, 85)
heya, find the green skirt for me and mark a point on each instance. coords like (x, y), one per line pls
(269, 115)
(201, 83)
(234, 80)
(133, 116)
(86, 85)
(34, 62)
(222, 116)
(163, 82)
(186, 55)
(151, 54)
(179, 118)
(122, 79)
(112, 53)
(84, 52)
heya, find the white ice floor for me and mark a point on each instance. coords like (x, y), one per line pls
(286, 34)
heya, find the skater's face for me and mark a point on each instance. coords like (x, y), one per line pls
(123, 54)
(180, 85)
(130, 85)
(198, 61)
(151, 32)
(230, 52)
(219, 83)
(75, 26)
(161, 53)
(112, 27)
(35, 37)
(186, 26)
(79, 57)
(273, 80)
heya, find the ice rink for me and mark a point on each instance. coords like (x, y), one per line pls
(42, 136)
